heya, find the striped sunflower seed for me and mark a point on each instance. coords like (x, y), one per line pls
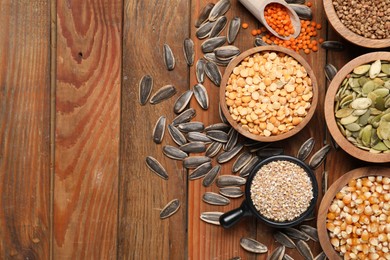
(217, 135)
(145, 89)
(230, 180)
(218, 27)
(258, 146)
(218, 126)
(219, 9)
(194, 161)
(244, 172)
(198, 137)
(212, 58)
(201, 96)
(277, 254)
(332, 45)
(259, 42)
(189, 52)
(283, 239)
(306, 148)
(215, 199)
(162, 94)
(226, 52)
(171, 208)
(325, 177)
(231, 192)
(213, 149)
(241, 161)
(182, 102)
(287, 257)
(203, 14)
(184, 116)
(200, 171)
(295, 1)
(191, 127)
(319, 157)
(156, 167)
(174, 152)
(200, 70)
(330, 71)
(169, 59)
(228, 155)
(304, 250)
(233, 29)
(253, 246)
(221, 115)
(303, 11)
(204, 30)
(176, 135)
(320, 256)
(294, 233)
(232, 141)
(213, 73)
(211, 176)
(159, 130)
(193, 147)
(209, 45)
(211, 217)
(310, 231)
(268, 152)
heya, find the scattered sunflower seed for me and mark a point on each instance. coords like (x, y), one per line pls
(232, 141)
(305, 149)
(211, 176)
(156, 167)
(200, 171)
(218, 126)
(310, 231)
(193, 147)
(182, 102)
(303, 11)
(320, 256)
(194, 161)
(253, 246)
(211, 57)
(174, 153)
(159, 130)
(219, 9)
(304, 250)
(199, 70)
(189, 52)
(203, 14)
(176, 135)
(213, 73)
(233, 29)
(145, 89)
(162, 94)
(296, 234)
(215, 199)
(217, 135)
(287, 257)
(221, 115)
(218, 27)
(241, 161)
(191, 127)
(268, 152)
(198, 137)
(184, 116)
(277, 254)
(244, 172)
(213, 149)
(171, 208)
(258, 146)
(332, 45)
(325, 181)
(228, 155)
(226, 52)
(201, 96)
(295, 1)
(169, 59)
(319, 157)
(259, 42)
(330, 71)
(204, 30)
(230, 180)
(231, 192)
(211, 217)
(283, 239)
(209, 45)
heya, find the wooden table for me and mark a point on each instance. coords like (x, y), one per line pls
(73, 178)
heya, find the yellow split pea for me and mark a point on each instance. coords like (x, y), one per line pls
(269, 93)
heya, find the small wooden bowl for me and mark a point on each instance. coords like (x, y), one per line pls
(323, 236)
(228, 72)
(330, 113)
(348, 34)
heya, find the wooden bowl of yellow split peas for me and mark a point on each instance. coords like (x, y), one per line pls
(268, 93)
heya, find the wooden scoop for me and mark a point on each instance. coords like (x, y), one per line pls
(256, 7)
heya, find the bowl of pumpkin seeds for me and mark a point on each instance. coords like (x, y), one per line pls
(357, 107)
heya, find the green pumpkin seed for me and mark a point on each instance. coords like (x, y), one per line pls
(348, 120)
(386, 68)
(361, 103)
(366, 133)
(380, 147)
(359, 112)
(368, 87)
(375, 69)
(362, 69)
(344, 112)
(353, 127)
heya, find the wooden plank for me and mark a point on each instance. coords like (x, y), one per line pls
(142, 235)
(24, 129)
(87, 129)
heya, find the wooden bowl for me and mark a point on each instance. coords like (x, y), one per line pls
(329, 109)
(236, 62)
(330, 195)
(348, 34)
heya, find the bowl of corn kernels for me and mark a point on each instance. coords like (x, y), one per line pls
(354, 216)
(268, 93)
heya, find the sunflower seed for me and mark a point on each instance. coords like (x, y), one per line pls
(211, 57)
(176, 135)
(218, 27)
(194, 161)
(204, 30)
(169, 59)
(287, 257)
(174, 152)
(159, 130)
(277, 254)
(320, 256)
(171, 208)
(324, 181)
(268, 152)
(203, 14)
(253, 246)
(305, 149)
(199, 70)
(182, 101)
(310, 231)
(211, 176)
(283, 239)
(303, 11)
(241, 161)
(259, 42)
(233, 29)
(189, 52)
(304, 250)
(218, 126)
(221, 115)
(258, 146)
(193, 147)
(200, 171)
(156, 167)
(145, 89)
(231, 192)
(232, 141)
(228, 155)
(235, 258)
(198, 137)
(213, 73)
(201, 96)
(330, 71)
(226, 52)
(210, 44)
(215, 199)
(217, 135)
(184, 116)
(213, 149)
(319, 157)
(191, 127)
(295, 1)
(230, 180)
(219, 9)
(162, 94)
(244, 172)
(211, 217)
(332, 45)
(295, 234)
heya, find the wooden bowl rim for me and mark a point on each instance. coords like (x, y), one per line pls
(328, 198)
(329, 109)
(348, 34)
(271, 138)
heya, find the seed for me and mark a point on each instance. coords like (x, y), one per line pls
(215, 199)
(169, 59)
(204, 30)
(230, 180)
(156, 167)
(211, 217)
(209, 45)
(182, 102)
(176, 135)
(304, 250)
(199, 70)
(303, 11)
(283, 239)
(171, 208)
(189, 52)
(198, 137)
(218, 126)
(193, 147)
(325, 181)
(268, 152)
(332, 45)
(244, 172)
(194, 161)
(320, 256)
(375, 69)
(228, 155)
(218, 27)
(174, 152)
(241, 161)
(287, 257)
(226, 52)
(310, 231)
(145, 89)
(278, 253)
(232, 141)
(319, 157)
(233, 29)
(184, 116)
(295, 1)
(201, 96)
(211, 57)
(259, 42)
(296, 234)
(200, 171)
(213, 149)
(213, 73)
(221, 115)
(159, 130)
(305, 149)
(211, 176)
(218, 135)
(330, 71)
(257, 146)
(191, 127)
(253, 246)
(203, 14)
(231, 192)
(219, 9)
(162, 94)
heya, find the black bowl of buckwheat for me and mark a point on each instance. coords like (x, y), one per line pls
(281, 191)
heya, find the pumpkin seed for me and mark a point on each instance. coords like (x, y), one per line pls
(386, 68)
(253, 246)
(353, 127)
(230, 180)
(156, 167)
(200, 171)
(211, 176)
(215, 199)
(171, 208)
(362, 69)
(348, 120)
(218, 27)
(203, 14)
(219, 9)
(182, 102)
(145, 89)
(283, 239)
(233, 29)
(211, 217)
(213, 149)
(277, 254)
(174, 152)
(162, 94)
(231, 192)
(361, 103)
(169, 59)
(159, 130)
(375, 69)
(344, 112)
